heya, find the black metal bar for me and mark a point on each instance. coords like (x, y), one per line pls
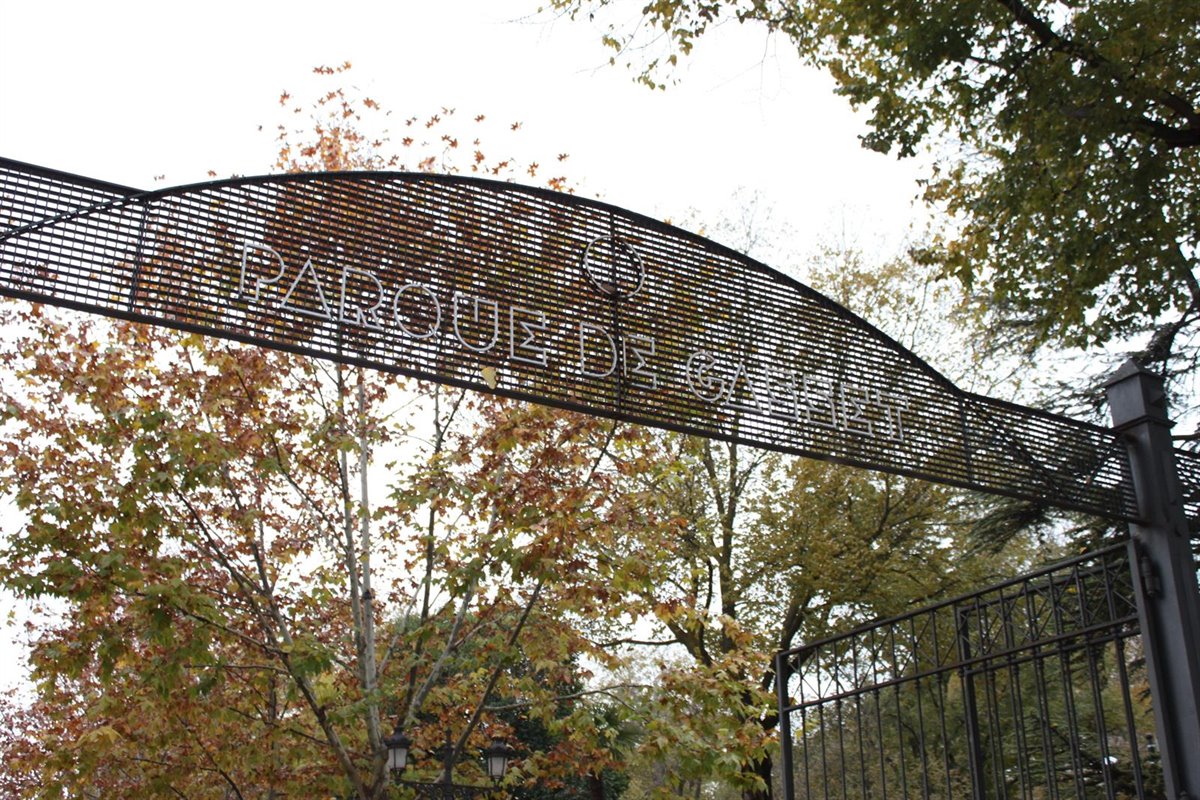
(841, 746)
(139, 254)
(1168, 599)
(878, 662)
(922, 749)
(995, 735)
(858, 725)
(1049, 763)
(824, 756)
(1131, 732)
(782, 678)
(943, 727)
(1092, 656)
(1068, 690)
(897, 673)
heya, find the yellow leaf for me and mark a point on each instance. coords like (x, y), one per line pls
(105, 732)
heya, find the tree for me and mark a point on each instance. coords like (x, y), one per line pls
(243, 612)
(776, 551)
(1064, 139)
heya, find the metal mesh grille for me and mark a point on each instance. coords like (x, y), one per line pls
(1187, 467)
(1032, 688)
(552, 298)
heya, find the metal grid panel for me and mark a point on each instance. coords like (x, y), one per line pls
(1031, 688)
(1187, 467)
(552, 298)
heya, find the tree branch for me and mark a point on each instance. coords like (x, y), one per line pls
(1048, 37)
(604, 690)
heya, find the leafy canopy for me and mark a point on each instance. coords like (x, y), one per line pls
(257, 564)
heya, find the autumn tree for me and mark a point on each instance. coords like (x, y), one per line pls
(242, 605)
(776, 551)
(1063, 141)
(249, 603)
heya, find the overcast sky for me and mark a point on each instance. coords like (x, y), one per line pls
(127, 91)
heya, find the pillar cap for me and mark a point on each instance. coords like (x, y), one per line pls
(1128, 370)
(1136, 395)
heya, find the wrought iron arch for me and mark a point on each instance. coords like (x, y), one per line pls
(540, 296)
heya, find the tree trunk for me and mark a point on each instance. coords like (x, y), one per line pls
(596, 786)
(761, 768)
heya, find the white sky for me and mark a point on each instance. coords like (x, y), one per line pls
(125, 91)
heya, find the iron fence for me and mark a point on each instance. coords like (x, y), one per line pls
(1034, 688)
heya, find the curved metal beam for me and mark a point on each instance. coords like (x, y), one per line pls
(540, 296)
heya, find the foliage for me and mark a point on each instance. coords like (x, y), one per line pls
(242, 608)
(776, 551)
(546, 735)
(340, 130)
(248, 606)
(1064, 141)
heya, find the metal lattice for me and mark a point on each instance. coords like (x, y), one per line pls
(540, 296)
(1187, 467)
(1031, 688)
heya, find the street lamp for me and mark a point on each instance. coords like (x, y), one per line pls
(397, 745)
(495, 756)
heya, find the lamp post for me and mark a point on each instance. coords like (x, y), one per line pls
(495, 757)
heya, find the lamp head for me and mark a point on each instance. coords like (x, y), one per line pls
(397, 745)
(496, 756)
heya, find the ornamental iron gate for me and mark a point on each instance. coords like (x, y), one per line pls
(569, 302)
(1033, 688)
(1076, 681)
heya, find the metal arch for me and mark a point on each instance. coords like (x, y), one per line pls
(477, 283)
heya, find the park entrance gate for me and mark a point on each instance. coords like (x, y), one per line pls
(1034, 688)
(550, 298)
